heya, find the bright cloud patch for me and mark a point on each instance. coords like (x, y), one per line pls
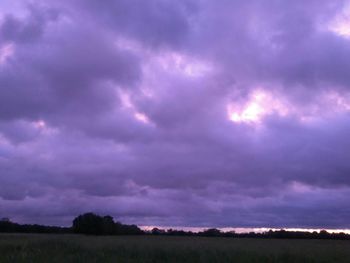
(176, 63)
(6, 51)
(260, 104)
(341, 23)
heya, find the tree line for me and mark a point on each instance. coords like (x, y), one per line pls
(92, 224)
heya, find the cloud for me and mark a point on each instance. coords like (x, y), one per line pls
(29, 29)
(187, 113)
(155, 23)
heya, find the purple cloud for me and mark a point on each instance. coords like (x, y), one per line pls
(187, 113)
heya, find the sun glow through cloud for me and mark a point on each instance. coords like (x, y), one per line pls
(262, 103)
(249, 114)
(259, 104)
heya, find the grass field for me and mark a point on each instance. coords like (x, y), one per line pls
(75, 248)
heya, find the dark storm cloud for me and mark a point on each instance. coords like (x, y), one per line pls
(29, 29)
(67, 76)
(156, 23)
(124, 107)
(273, 41)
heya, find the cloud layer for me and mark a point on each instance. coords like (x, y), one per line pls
(176, 113)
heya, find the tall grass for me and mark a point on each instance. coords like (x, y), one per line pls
(75, 248)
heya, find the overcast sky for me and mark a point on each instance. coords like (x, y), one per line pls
(176, 113)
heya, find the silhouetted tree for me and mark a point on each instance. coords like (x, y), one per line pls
(88, 223)
(157, 231)
(92, 224)
(109, 227)
(212, 232)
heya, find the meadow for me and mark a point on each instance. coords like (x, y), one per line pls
(80, 248)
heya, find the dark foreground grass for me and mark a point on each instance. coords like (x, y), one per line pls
(75, 248)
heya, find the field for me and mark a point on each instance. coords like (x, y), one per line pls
(75, 248)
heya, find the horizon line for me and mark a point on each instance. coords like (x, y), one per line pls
(248, 229)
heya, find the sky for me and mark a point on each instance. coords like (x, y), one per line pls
(186, 113)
